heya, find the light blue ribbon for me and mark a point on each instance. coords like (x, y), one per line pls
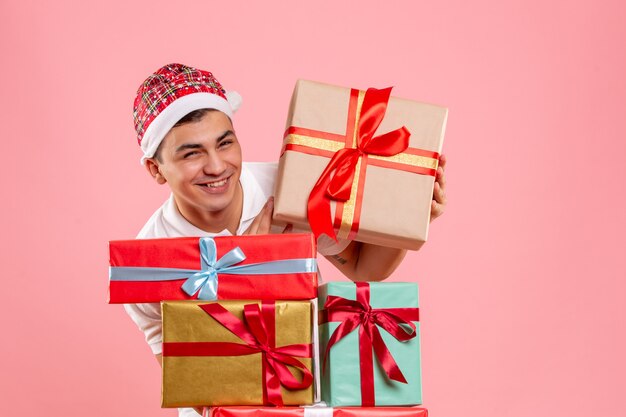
(205, 280)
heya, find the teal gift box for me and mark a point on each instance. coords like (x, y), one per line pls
(370, 338)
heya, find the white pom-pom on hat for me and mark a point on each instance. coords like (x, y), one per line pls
(234, 99)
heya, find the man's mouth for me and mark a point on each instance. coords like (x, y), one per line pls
(218, 185)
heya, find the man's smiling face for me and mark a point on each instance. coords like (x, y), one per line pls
(201, 162)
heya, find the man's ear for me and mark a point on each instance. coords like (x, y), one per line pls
(152, 166)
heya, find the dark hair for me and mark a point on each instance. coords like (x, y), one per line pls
(193, 117)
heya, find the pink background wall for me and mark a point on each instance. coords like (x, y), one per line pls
(522, 281)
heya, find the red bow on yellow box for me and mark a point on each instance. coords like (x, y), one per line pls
(257, 332)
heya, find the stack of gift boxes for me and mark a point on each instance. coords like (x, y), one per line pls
(246, 329)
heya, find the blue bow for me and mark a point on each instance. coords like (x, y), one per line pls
(206, 279)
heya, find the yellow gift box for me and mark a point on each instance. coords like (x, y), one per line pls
(237, 353)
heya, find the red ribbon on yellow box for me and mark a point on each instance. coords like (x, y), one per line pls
(343, 178)
(257, 331)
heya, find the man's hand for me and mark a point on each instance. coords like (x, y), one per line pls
(366, 262)
(438, 205)
(262, 223)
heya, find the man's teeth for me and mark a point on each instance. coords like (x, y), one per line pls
(217, 183)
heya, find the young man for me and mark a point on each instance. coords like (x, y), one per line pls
(183, 119)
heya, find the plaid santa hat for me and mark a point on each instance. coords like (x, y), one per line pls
(171, 93)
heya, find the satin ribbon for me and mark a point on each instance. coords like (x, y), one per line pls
(257, 331)
(337, 179)
(315, 411)
(359, 314)
(205, 280)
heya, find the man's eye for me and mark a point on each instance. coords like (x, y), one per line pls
(188, 154)
(225, 142)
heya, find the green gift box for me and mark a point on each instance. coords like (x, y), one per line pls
(370, 338)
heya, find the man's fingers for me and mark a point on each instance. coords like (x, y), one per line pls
(439, 194)
(266, 217)
(442, 161)
(439, 202)
(251, 230)
(436, 210)
(441, 177)
(288, 228)
(254, 226)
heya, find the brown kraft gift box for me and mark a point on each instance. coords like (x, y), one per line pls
(394, 202)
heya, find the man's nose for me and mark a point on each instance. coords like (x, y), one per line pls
(214, 164)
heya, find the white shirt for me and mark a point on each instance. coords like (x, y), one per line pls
(257, 182)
